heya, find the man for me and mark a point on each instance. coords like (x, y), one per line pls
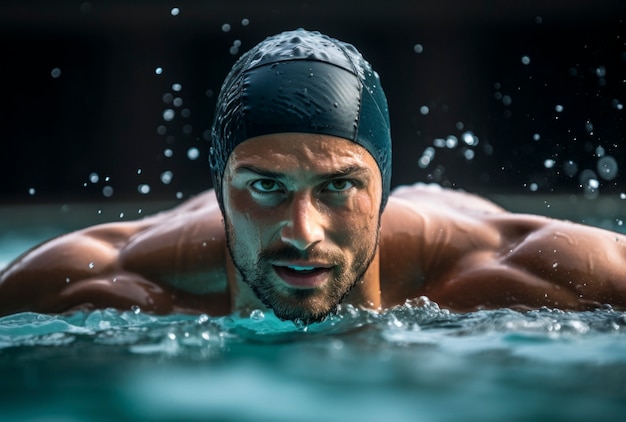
(301, 218)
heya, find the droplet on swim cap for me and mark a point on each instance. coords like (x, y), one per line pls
(302, 81)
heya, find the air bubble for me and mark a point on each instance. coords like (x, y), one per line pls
(536, 137)
(424, 110)
(31, 191)
(175, 11)
(245, 22)
(533, 187)
(91, 265)
(549, 163)
(177, 87)
(168, 153)
(55, 73)
(558, 108)
(257, 315)
(418, 48)
(158, 71)
(226, 27)
(525, 60)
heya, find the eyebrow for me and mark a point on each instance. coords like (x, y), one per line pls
(342, 172)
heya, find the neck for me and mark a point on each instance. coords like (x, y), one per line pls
(366, 292)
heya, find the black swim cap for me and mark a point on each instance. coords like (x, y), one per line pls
(301, 81)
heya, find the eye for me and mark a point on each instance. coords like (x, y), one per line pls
(339, 185)
(266, 186)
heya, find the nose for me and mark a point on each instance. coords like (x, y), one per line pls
(303, 227)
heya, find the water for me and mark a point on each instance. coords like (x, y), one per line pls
(415, 362)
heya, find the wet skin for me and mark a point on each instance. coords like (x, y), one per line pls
(314, 203)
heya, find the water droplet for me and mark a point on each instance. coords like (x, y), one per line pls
(55, 73)
(175, 11)
(193, 153)
(143, 189)
(179, 195)
(533, 187)
(555, 265)
(177, 87)
(166, 177)
(549, 163)
(177, 102)
(468, 154)
(558, 108)
(226, 27)
(607, 167)
(136, 309)
(424, 110)
(107, 191)
(470, 139)
(245, 22)
(622, 195)
(570, 168)
(525, 60)
(67, 279)
(31, 191)
(418, 48)
(168, 114)
(536, 137)
(452, 141)
(121, 215)
(158, 70)
(168, 153)
(91, 265)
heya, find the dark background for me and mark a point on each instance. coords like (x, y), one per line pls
(104, 113)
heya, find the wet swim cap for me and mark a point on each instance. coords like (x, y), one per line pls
(301, 81)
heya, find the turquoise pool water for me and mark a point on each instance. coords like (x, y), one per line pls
(415, 362)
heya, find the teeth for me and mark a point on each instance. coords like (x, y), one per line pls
(298, 268)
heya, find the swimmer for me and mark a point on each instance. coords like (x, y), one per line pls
(302, 219)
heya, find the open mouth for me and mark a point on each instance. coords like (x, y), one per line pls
(303, 277)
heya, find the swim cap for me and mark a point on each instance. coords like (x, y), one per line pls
(301, 81)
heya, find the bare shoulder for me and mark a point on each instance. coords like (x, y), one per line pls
(425, 230)
(466, 253)
(114, 261)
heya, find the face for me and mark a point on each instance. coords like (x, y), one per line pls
(302, 219)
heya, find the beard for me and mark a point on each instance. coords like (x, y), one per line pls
(303, 305)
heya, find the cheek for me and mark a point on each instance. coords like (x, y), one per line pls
(248, 222)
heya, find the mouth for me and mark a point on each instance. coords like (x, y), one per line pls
(303, 276)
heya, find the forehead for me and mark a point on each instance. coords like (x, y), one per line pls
(303, 152)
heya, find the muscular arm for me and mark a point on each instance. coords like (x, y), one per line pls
(148, 263)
